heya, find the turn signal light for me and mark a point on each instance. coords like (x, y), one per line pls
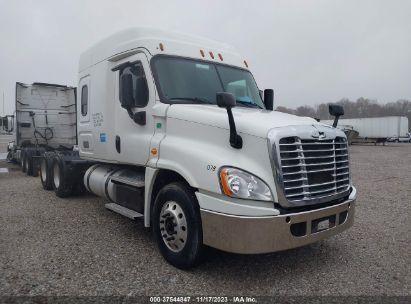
(153, 151)
(223, 182)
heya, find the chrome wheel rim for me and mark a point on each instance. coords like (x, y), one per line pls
(43, 170)
(56, 175)
(173, 226)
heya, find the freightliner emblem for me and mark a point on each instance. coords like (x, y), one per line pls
(318, 134)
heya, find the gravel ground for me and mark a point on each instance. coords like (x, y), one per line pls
(52, 246)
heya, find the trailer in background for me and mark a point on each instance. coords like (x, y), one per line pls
(45, 121)
(6, 124)
(376, 129)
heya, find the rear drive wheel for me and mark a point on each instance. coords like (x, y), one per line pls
(29, 162)
(46, 175)
(62, 187)
(177, 225)
(23, 161)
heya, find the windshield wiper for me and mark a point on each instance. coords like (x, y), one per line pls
(248, 104)
(194, 99)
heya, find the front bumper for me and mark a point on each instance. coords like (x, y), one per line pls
(263, 234)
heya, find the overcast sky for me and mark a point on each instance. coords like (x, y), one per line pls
(307, 51)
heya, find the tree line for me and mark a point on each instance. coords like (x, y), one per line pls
(362, 107)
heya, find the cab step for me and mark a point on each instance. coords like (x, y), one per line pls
(131, 214)
(133, 179)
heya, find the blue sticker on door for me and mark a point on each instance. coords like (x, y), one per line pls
(102, 137)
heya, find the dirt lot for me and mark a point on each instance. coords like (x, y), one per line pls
(52, 246)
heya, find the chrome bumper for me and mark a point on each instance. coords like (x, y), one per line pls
(252, 235)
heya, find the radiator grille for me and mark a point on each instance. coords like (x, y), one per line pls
(313, 168)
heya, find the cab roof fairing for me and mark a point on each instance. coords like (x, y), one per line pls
(174, 43)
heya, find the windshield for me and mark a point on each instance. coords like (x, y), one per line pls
(183, 80)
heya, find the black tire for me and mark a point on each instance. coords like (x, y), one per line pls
(61, 185)
(46, 172)
(29, 162)
(190, 252)
(23, 161)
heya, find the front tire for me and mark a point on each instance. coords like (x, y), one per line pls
(177, 225)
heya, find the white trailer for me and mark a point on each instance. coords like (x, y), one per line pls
(377, 129)
(172, 129)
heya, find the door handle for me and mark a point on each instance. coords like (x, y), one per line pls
(118, 144)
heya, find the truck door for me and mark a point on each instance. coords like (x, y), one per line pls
(133, 121)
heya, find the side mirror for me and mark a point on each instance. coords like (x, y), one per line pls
(126, 91)
(228, 101)
(336, 111)
(269, 99)
(142, 92)
(10, 123)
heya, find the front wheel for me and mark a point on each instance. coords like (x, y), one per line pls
(177, 225)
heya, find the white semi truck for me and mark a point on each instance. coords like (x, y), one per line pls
(45, 121)
(6, 124)
(174, 130)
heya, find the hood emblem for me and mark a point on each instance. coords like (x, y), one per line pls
(318, 134)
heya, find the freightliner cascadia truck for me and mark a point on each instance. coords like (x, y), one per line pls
(173, 129)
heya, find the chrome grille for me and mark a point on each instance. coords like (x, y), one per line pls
(313, 168)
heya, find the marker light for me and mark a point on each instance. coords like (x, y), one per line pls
(153, 151)
(220, 56)
(211, 55)
(245, 63)
(240, 184)
(202, 53)
(161, 46)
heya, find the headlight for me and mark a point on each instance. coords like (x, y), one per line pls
(237, 183)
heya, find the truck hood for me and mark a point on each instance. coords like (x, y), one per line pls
(256, 122)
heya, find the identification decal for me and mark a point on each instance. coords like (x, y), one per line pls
(97, 119)
(102, 137)
(211, 168)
